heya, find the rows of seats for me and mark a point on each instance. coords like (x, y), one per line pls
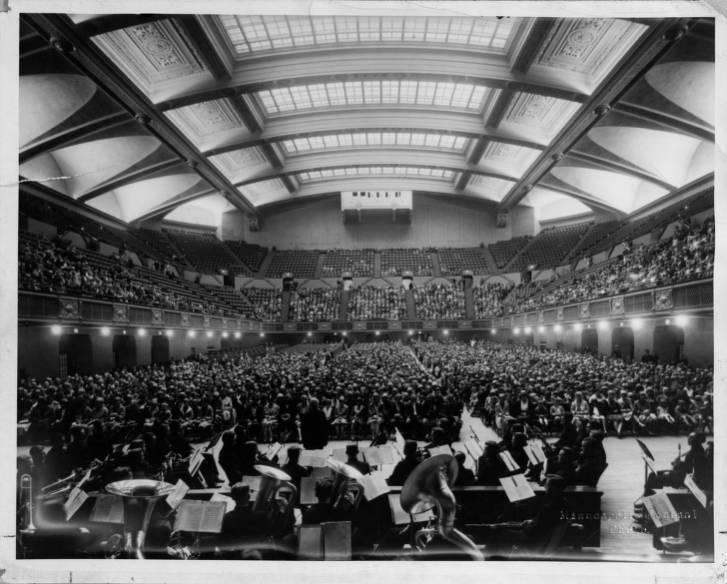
(488, 299)
(596, 234)
(373, 303)
(268, 302)
(159, 242)
(453, 261)
(504, 251)
(394, 262)
(250, 254)
(315, 304)
(360, 262)
(203, 250)
(440, 301)
(550, 247)
(300, 263)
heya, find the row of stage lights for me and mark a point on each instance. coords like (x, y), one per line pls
(680, 320)
(105, 331)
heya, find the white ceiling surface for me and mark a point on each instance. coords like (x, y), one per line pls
(38, 113)
(550, 205)
(203, 211)
(624, 192)
(690, 85)
(577, 54)
(131, 201)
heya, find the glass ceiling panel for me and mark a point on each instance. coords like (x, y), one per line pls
(461, 96)
(423, 171)
(307, 144)
(255, 34)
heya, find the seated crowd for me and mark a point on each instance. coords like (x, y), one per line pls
(372, 302)
(488, 298)
(268, 302)
(60, 267)
(315, 304)
(440, 301)
(687, 255)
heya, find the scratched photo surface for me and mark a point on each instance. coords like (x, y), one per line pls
(366, 284)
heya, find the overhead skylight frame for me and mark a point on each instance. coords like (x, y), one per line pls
(436, 173)
(438, 141)
(465, 97)
(248, 35)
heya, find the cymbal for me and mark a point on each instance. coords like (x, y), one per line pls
(419, 484)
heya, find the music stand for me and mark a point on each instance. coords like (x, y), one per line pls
(648, 459)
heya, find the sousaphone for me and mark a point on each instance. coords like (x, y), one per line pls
(428, 487)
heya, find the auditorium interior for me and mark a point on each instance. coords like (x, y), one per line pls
(365, 287)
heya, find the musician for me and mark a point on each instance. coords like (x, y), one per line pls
(490, 466)
(314, 426)
(534, 531)
(517, 449)
(405, 466)
(564, 465)
(465, 477)
(295, 470)
(693, 461)
(352, 459)
(324, 509)
(590, 465)
(229, 459)
(56, 459)
(243, 528)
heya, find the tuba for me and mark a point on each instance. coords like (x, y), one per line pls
(273, 483)
(139, 497)
(428, 486)
(347, 485)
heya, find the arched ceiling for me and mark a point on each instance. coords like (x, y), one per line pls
(186, 117)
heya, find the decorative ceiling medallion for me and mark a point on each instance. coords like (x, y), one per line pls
(501, 150)
(209, 117)
(539, 112)
(588, 46)
(151, 52)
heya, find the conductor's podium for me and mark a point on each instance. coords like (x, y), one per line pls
(484, 504)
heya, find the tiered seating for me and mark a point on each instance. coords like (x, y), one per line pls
(550, 247)
(439, 301)
(64, 269)
(315, 304)
(504, 251)
(488, 299)
(360, 262)
(268, 302)
(301, 263)
(159, 242)
(371, 303)
(453, 261)
(396, 261)
(250, 254)
(203, 250)
(234, 298)
(596, 234)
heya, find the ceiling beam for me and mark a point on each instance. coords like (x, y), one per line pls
(81, 132)
(83, 55)
(110, 22)
(200, 41)
(165, 208)
(131, 177)
(526, 56)
(659, 118)
(352, 121)
(585, 198)
(647, 51)
(611, 165)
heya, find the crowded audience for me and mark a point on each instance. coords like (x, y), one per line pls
(372, 302)
(440, 301)
(315, 304)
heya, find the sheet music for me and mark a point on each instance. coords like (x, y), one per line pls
(531, 455)
(374, 485)
(517, 488)
(195, 462)
(661, 510)
(180, 490)
(474, 448)
(339, 454)
(200, 516)
(314, 458)
(509, 461)
(76, 498)
(308, 490)
(435, 450)
(228, 501)
(698, 493)
(107, 509)
(273, 449)
(538, 451)
(400, 442)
